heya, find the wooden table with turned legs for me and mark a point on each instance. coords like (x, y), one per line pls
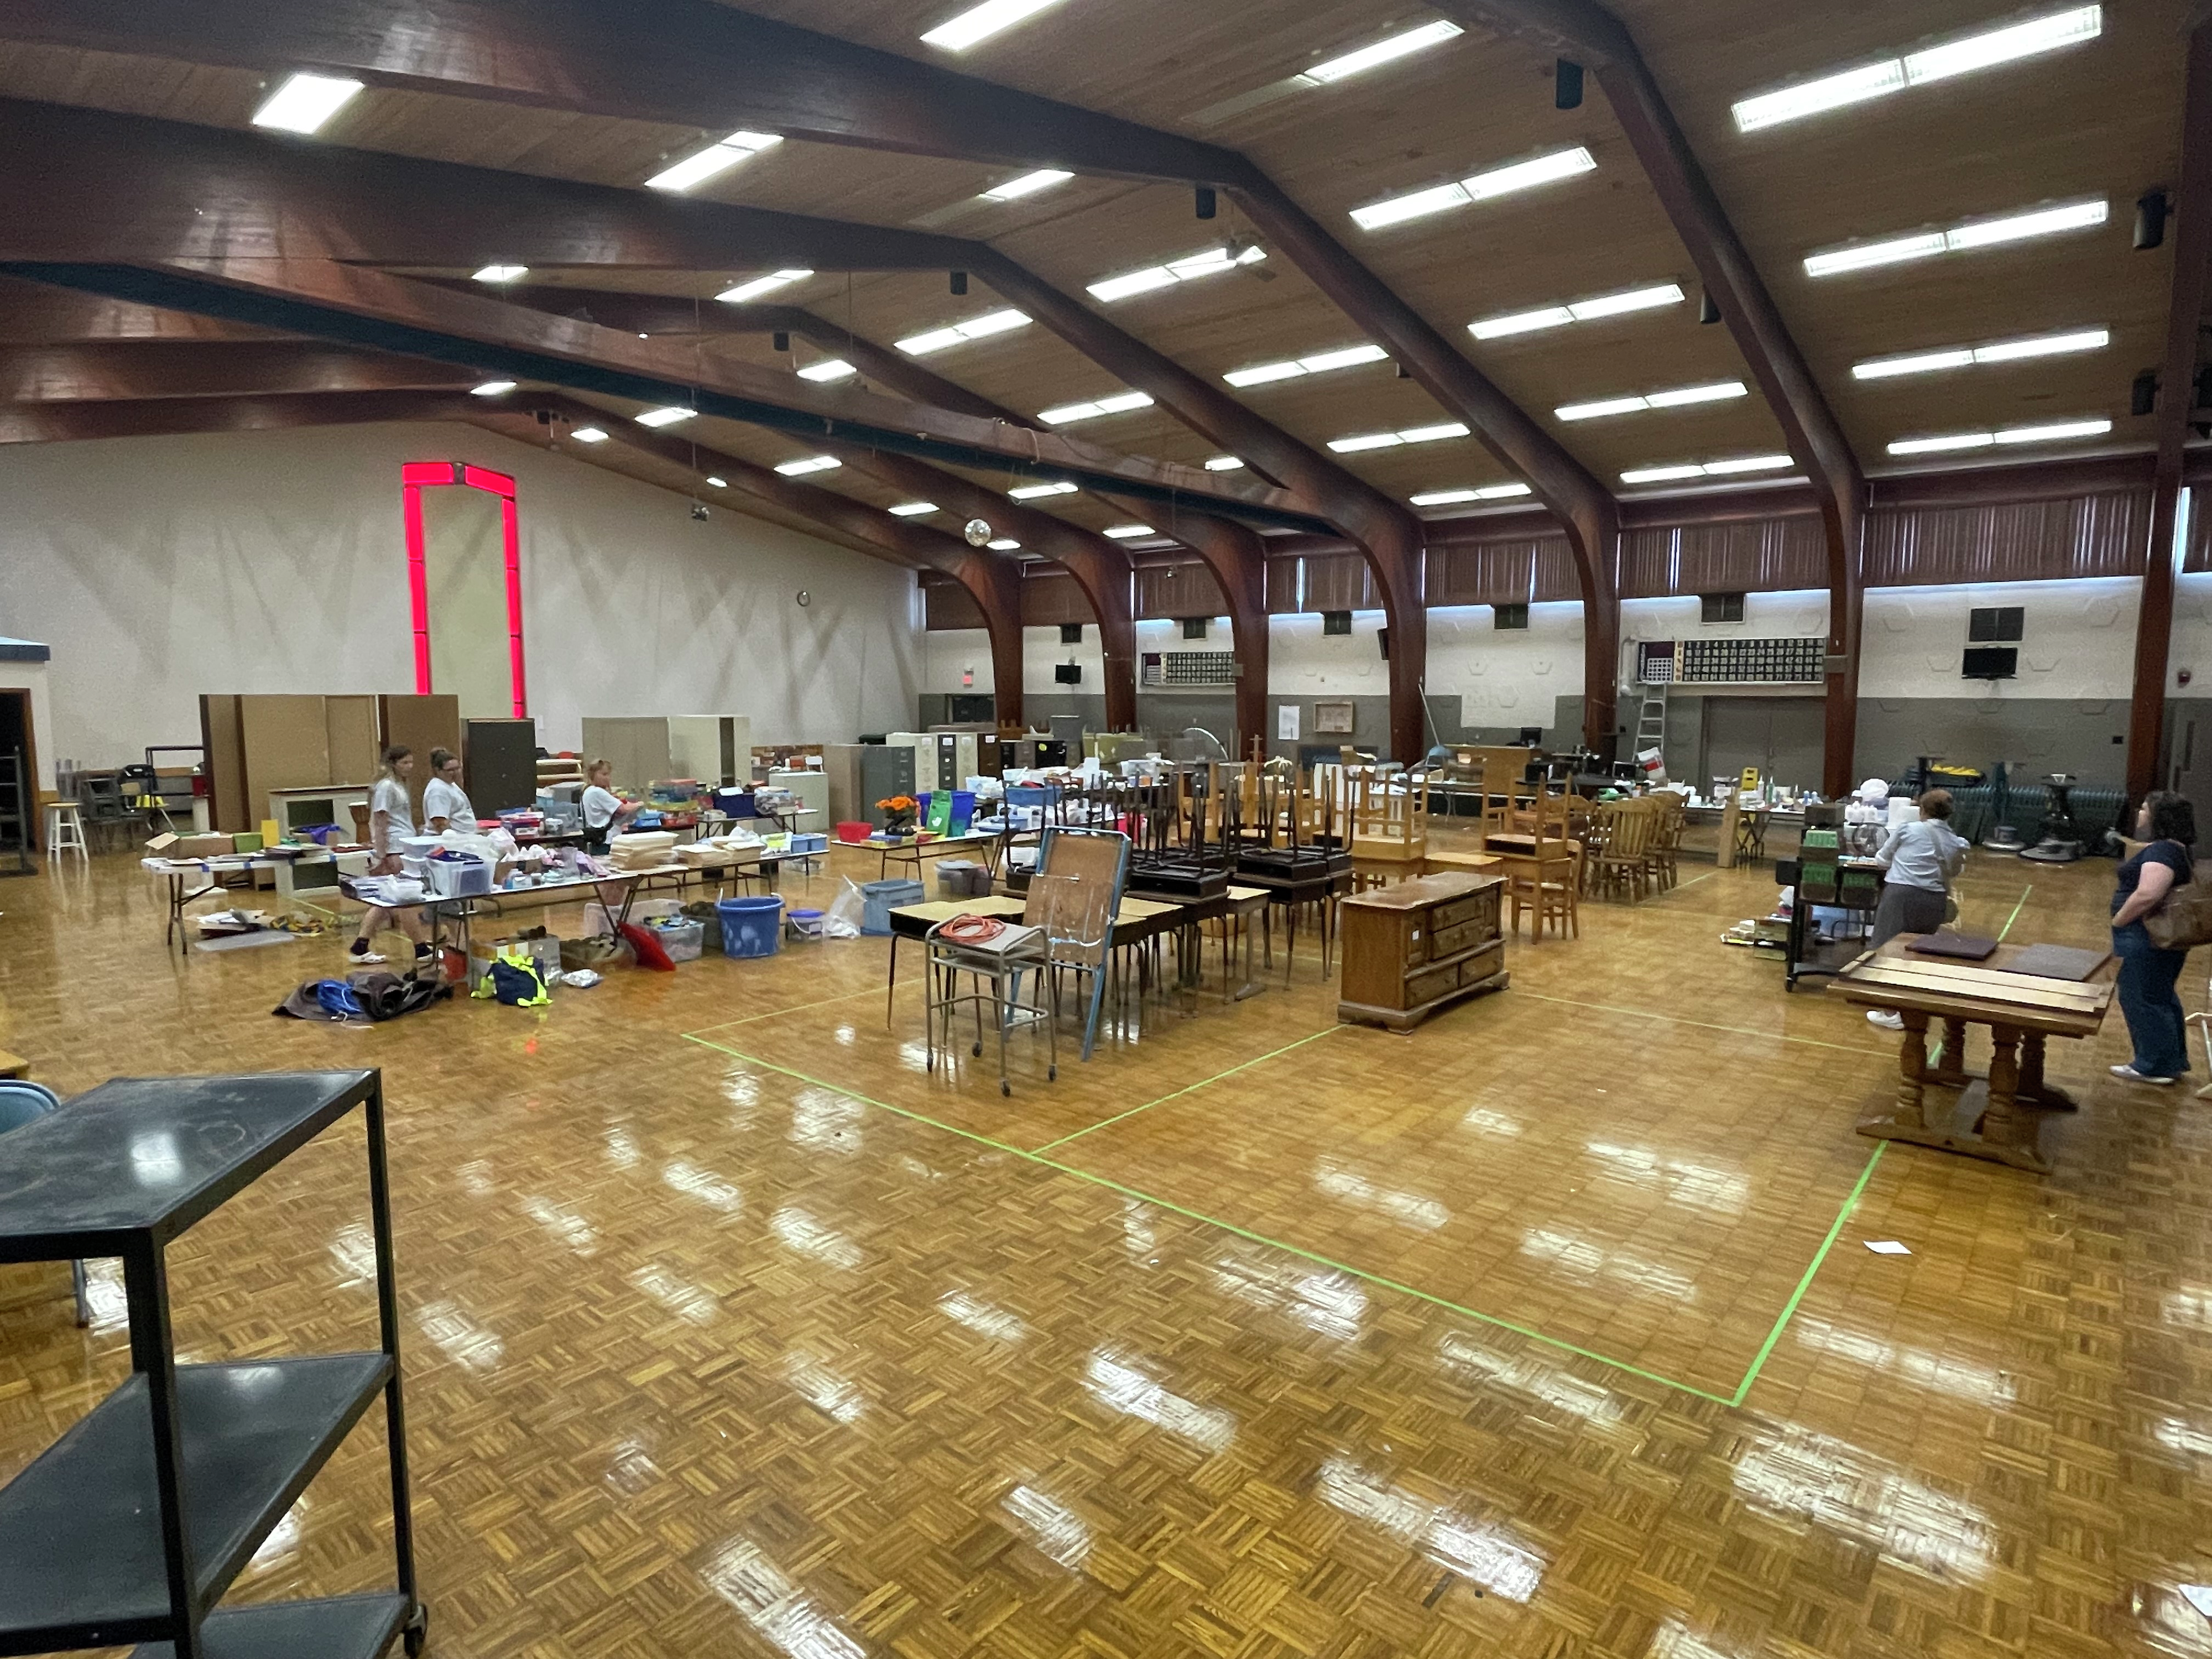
(1995, 1115)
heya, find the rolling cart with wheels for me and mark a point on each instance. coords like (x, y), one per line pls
(132, 1526)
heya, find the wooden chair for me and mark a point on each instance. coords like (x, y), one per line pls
(1551, 890)
(1621, 868)
(1663, 862)
(1390, 828)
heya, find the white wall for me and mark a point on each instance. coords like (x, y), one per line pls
(2079, 639)
(158, 568)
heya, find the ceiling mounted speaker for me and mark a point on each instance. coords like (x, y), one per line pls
(978, 533)
(1567, 85)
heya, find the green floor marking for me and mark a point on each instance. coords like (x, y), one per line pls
(1192, 1088)
(2016, 909)
(1789, 1308)
(1319, 1259)
(1702, 1025)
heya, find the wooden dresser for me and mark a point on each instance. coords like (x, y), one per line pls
(1414, 948)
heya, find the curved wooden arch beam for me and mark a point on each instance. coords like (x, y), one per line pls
(1591, 35)
(2193, 274)
(122, 370)
(70, 422)
(1239, 563)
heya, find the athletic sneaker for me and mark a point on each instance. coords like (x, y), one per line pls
(2129, 1074)
(360, 953)
(1889, 1018)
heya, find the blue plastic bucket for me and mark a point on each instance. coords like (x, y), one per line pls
(751, 927)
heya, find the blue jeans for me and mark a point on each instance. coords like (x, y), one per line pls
(2148, 1000)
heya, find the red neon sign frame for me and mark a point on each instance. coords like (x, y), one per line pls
(416, 477)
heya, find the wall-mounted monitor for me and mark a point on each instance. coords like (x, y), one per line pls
(1067, 673)
(1990, 662)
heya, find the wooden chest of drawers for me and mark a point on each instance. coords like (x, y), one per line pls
(1416, 948)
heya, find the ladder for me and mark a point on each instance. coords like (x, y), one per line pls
(1651, 720)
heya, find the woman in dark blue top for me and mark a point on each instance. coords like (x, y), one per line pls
(2148, 974)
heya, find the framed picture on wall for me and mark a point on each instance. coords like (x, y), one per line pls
(1332, 719)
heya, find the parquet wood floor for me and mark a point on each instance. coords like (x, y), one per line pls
(1546, 1331)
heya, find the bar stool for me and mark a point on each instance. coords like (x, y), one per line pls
(65, 830)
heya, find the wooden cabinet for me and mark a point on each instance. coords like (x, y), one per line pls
(1414, 948)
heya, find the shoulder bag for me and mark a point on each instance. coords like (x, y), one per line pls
(2184, 918)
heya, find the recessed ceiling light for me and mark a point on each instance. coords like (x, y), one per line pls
(1122, 532)
(1675, 399)
(1334, 69)
(1486, 493)
(1120, 403)
(1034, 492)
(812, 463)
(502, 273)
(1211, 262)
(1578, 311)
(719, 483)
(1028, 185)
(1978, 232)
(305, 102)
(1319, 363)
(1998, 351)
(980, 23)
(717, 158)
(1412, 435)
(668, 417)
(1225, 463)
(913, 509)
(833, 368)
(760, 285)
(975, 328)
(588, 434)
(1975, 51)
(2050, 432)
(1709, 469)
(492, 389)
(1003, 545)
(1477, 187)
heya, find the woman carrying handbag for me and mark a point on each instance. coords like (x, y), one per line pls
(2158, 910)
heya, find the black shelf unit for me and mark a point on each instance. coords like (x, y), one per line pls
(1804, 955)
(132, 1526)
(16, 824)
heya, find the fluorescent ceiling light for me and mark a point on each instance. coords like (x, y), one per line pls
(1225, 463)
(913, 509)
(1487, 492)
(975, 328)
(1976, 52)
(2000, 351)
(1120, 403)
(1334, 69)
(502, 273)
(2048, 432)
(1675, 399)
(1122, 532)
(833, 368)
(1578, 311)
(588, 434)
(1319, 363)
(716, 158)
(1033, 492)
(719, 483)
(1003, 545)
(1978, 232)
(1210, 262)
(1709, 469)
(760, 285)
(664, 417)
(1028, 185)
(1412, 435)
(305, 102)
(492, 389)
(812, 463)
(1478, 187)
(980, 23)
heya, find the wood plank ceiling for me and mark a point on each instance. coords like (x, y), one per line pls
(2097, 121)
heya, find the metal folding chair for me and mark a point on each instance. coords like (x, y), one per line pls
(1002, 968)
(1081, 928)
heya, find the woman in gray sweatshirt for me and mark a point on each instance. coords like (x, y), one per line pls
(1923, 858)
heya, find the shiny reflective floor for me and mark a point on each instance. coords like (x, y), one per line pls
(1548, 1329)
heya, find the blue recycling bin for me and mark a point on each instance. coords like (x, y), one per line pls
(751, 927)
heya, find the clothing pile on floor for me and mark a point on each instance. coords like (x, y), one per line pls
(365, 999)
(641, 850)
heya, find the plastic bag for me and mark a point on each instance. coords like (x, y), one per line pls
(841, 920)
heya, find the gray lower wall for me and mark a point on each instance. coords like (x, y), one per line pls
(2034, 735)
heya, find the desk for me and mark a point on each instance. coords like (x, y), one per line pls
(2022, 1011)
(914, 852)
(1137, 922)
(176, 873)
(766, 865)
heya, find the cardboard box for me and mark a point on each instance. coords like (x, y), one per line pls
(202, 846)
(161, 843)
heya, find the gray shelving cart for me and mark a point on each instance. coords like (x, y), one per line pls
(132, 1526)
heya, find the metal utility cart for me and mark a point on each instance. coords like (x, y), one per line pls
(133, 1525)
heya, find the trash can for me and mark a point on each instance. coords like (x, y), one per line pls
(879, 898)
(751, 927)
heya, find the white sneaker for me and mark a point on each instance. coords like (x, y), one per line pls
(1888, 1020)
(2129, 1074)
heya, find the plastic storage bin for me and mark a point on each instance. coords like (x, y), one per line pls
(459, 878)
(679, 935)
(879, 898)
(751, 927)
(851, 832)
(962, 878)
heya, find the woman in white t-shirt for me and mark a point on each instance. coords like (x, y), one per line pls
(605, 812)
(390, 820)
(444, 803)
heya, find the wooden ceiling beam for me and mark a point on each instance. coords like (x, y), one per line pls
(62, 422)
(34, 314)
(2177, 384)
(1585, 32)
(123, 370)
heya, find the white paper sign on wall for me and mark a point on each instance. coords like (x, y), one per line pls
(1287, 723)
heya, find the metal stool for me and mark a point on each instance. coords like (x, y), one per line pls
(65, 830)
